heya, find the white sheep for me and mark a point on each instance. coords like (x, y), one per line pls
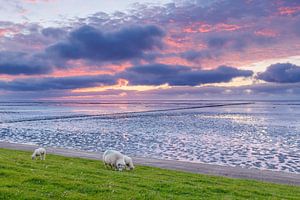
(128, 162)
(114, 159)
(40, 152)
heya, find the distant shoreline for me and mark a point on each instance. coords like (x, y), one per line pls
(200, 168)
(126, 113)
(129, 101)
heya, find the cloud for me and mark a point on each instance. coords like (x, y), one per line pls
(90, 43)
(195, 56)
(233, 26)
(177, 75)
(155, 74)
(281, 73)
(230, 23)
(53, 32)
(232, 31)
(87, 43)
(236, 41)
(59, 83)
(258, 91)
(15, 63)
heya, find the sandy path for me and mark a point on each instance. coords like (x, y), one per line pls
(233, 172)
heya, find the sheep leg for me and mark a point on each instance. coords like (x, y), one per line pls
(112, 166)
(105, 165)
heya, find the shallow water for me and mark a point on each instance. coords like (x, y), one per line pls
(263, 135)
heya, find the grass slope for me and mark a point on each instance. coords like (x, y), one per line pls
(71, 178)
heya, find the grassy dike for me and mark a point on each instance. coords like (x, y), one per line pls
(61, 177)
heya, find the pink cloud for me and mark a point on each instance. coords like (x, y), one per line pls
(289, 10)
(7, 31)
(201, 27)
(266, 33)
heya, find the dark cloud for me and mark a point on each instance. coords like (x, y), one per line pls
(86, 43)
(157, 74)
(59, 83)
(281, 73)
(90, 43)
(14, 63)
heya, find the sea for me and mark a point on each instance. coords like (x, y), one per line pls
(249, 134)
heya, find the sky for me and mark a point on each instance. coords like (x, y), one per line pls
(171, 49)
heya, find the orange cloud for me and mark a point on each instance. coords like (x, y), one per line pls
(289, 10)
(189, 30)
(201, 27)
(7, 31)
(122, 82)
(173, 61)
(266, 33)
(77, 72)
(182, 44)
(80, 68)
(178, 44)
(5, 77)
(227, 27)
(205, 28)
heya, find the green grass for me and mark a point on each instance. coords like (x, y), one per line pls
(71, 178)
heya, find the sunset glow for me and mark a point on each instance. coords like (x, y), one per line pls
(112, 47)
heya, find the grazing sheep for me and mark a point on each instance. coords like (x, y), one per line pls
(128, 162)
(40, 152)
(114, 159)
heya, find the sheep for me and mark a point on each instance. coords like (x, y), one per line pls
(114, 159)
(40, 152)
(128, 162)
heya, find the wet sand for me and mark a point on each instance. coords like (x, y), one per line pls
(230, 133)
(200, 168)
